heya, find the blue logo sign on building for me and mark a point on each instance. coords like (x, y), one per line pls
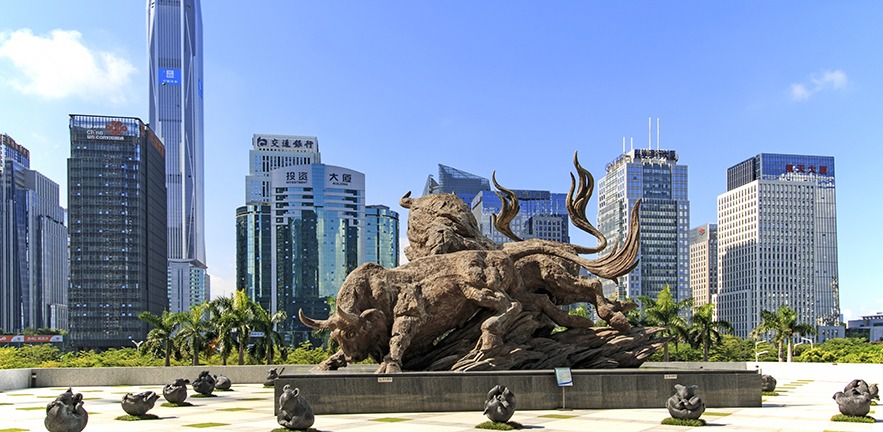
(169, 76)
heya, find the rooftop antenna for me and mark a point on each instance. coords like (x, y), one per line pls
(649, 133)
(632, 141)
(657, 133)
(623, 145)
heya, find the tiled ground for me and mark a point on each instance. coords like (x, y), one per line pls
(804, 405)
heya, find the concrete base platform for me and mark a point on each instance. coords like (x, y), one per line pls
(534, 390)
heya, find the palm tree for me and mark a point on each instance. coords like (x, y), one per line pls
(221, 332)
(239, 317)
(164, 327)
(704, 330)
(193, 326)
(783, 324)
(665, 312)
(266, 323)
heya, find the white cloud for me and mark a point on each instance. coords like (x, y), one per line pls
(827, 80)
(60, 65)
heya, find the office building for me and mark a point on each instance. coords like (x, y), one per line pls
(382, 236)
(318, 226)
(253, 252)
(461, 183)
(703, 264)
(33, 245)
(656, 178)
(117, 220)
(174, 37)
(271, 152)
(777, 242)
(253, 224)
(543, 215)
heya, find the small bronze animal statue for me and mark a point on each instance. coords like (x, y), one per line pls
(66, 413)
(685, 404)
(500, 404)
(767, 383)
(222, 382)
(855, 399)
(204, 383)
(294, 411)
(138, 404)
(272, 374)
(176, 392)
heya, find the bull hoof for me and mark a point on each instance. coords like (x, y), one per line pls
(389, 367)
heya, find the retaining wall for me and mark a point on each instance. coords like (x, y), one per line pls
(534, 390)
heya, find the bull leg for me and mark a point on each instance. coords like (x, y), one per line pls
(402, 329)
(336, 361)
(492, 328)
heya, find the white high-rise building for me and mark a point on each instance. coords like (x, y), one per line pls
(270, 152)
(777, 242)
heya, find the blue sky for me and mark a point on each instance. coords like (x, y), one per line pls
(391, 89)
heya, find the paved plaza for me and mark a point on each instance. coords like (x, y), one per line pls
(804, 403)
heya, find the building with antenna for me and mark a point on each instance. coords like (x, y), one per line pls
(656, 178)
(777, 242)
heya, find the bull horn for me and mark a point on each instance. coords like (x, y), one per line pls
(349, 319)
(406, 200)
(309, 322)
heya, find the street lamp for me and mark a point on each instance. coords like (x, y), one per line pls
(811, 344)
(756, 353)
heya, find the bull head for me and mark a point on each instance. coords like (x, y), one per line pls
(406, 200)
(359, 336)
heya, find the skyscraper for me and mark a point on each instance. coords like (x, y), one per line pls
(777, 241)
(703, 264)
(382, 236)
(254, 256)
(656, 178)
(117, 200)
(14, 272)
(461, 183)
(174, 35)
(543, 215)
(318, 225)
(253, 224)
(33, 245)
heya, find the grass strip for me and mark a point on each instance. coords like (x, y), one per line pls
(206, 425)
(716, 413)
(233, 409)
(853, 419)
(499, 426)
(129, 417)
(683, 422)
(558, 416)
(390, 419)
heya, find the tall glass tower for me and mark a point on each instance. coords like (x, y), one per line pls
(117, 201)
(382, 236)
(174, 35)
(543, 215)
(318, 225)
(655, 177)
